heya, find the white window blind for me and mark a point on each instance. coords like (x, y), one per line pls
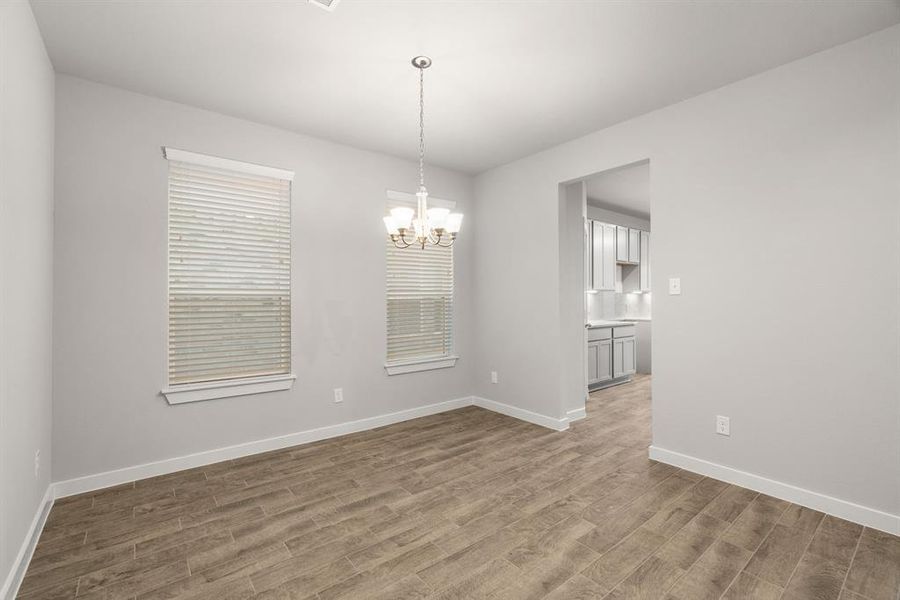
(229, 269)
(419, 302)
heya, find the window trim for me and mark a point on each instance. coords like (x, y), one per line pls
(225, 388)
(416, 365)
(218, 162)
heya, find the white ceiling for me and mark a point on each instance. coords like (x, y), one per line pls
(625, 190)
(509, 78)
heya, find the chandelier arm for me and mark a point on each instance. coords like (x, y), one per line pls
(402, 239)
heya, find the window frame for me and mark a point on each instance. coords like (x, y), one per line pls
(181, 393)
(417, 364)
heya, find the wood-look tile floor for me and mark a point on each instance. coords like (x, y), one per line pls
(467, 504)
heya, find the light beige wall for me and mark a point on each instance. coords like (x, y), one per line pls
(776, 192)
(26, 276)
(110, 308)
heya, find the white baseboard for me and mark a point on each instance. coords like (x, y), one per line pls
(522, 414)
(576, 414)
(20, 564)
(850, 511)
(107, 479)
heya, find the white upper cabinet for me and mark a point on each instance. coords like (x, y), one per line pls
(588, 255)
(609, 257)
(634, 245)
(597, 254)
(606, 245)
(645, 261)
(600, 258)
(622, 244)
(628, 245)
(603, 256)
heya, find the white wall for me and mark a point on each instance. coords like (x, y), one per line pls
(26, 275)
(775, 192)
(110, 300)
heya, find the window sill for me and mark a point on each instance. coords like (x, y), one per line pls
(414, 366)
(197, 392)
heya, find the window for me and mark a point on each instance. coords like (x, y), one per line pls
(229, 278)
(419, 302)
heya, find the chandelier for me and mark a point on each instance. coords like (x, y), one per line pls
(423, 226)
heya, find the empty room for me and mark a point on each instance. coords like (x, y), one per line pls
(450, 299)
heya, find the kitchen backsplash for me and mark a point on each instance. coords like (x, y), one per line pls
(615, 305)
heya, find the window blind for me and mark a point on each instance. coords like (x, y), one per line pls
(419, 302)
(229, 270)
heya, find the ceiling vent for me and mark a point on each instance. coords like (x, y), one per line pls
(325, 4)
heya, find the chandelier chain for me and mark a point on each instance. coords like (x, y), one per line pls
(421, 126)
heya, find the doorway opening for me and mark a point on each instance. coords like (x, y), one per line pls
(606, 307)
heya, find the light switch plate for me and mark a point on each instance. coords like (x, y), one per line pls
(674, 286)
(338, 395)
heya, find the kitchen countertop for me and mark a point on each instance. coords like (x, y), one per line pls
(617, 323)
(601, 324)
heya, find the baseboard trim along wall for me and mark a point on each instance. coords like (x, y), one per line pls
(107, 479)
(850, 511)
(576, 414)
(171, 465)
(23, 558)
(522, 414)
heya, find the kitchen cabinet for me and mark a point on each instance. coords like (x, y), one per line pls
(624, 359)
(603, 259)
(609, 257)
(645, 261)
(621, 244)
(610, 354)
(588, 255)
(628, 245)
(600, 256)
(599, 358)
(634, 245)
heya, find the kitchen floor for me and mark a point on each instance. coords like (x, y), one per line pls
(466, 504)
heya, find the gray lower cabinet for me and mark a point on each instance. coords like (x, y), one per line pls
(599, 357)
(624, 358)
(611, 357)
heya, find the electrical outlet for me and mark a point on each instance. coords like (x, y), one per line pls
(37, 463)
(723, 425)
(675, 286)
(493, 376)
(338, 395)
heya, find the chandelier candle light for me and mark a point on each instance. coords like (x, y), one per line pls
(434, 226)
